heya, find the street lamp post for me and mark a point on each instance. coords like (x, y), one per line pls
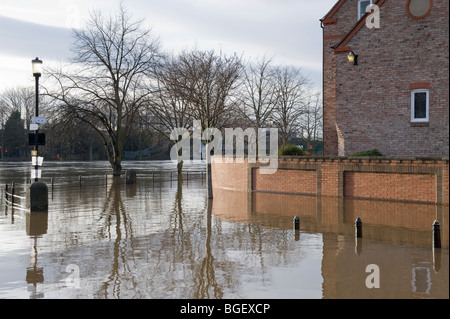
(37, 71)
(38, 190)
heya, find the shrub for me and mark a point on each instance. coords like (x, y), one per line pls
(373, 152)
(292, 150)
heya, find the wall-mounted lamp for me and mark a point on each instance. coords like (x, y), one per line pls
(352, 57)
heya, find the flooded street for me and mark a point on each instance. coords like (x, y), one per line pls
(163, 239)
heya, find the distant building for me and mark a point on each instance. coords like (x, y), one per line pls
(395, 97)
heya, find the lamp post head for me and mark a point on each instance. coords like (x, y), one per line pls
(37, 67)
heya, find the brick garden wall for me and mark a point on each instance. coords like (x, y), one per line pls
(233, 176)
(292, 180)
(399, 179)
(409, 187)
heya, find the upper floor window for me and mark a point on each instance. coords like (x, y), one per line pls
(362, 7)
(420, 106)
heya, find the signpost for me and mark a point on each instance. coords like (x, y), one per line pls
(38, 120)
(36, 173)
(36, 139)
(40, 139)
(38, 162)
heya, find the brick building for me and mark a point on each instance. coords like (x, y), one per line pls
(395, 97)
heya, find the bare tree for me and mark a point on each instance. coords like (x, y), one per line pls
(259, 96)
(169, 105)
(291, 86)
(311, 120)
(208, 80)
(107, 83)
(20, 99)
(194, 86)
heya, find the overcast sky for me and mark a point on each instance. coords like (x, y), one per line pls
(287, 30)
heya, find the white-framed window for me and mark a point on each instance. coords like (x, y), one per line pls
(362, 6)
(420, 105)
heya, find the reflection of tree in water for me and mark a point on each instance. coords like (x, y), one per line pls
(120, 272)
(186, 256)
(184, 241)
(193, 253)
(206, 276)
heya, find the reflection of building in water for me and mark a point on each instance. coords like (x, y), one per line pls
(405, 272)
(397, 237)
(421, 279)
(397, 222)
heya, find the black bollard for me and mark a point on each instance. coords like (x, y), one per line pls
(358, 226)
(130, 177)
(436, 234)
(296, 223)
(296, 228)
(38, 197)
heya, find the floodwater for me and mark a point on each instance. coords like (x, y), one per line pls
(163, 239)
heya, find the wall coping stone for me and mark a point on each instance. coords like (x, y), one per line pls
(356, 159)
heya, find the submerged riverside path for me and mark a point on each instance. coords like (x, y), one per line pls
(164, 239)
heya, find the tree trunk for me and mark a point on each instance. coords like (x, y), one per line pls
(208, 172)
(117, 168)
(180, 171)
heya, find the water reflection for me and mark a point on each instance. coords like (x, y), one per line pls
(36, 226)
(206, 283)
(176, 250)
(397, 237)
(164, 239)
(114, 212)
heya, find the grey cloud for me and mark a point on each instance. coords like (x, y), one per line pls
(24, 39)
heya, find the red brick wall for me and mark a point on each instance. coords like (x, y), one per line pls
(416, 180)
(289, 181)
(232, 176)
(409, 187)
(335, 28)
(445, 182)
(369, 105)
(330, 178)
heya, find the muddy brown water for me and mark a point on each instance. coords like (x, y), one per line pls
(164, 239)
